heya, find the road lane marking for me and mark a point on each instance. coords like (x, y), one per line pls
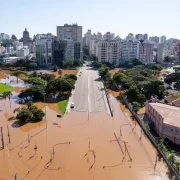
(88, 96)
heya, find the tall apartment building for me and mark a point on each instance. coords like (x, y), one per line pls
(92, 47)
(43, 45)
(3, 36)
(162, 52)
(73, 32)
(146, 49)
(99, 36)
(154, 39)
(108, 51)
(145, 36)
(130, 37)
(87, 38)
(139, 37)
(162, 39)
(129, 50)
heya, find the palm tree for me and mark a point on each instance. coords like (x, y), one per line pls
(9, 94)
(4, 96)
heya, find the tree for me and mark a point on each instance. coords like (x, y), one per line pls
(141, 98)
(136, 106)
(35, 81)
(36, 92)
(55, 68)
(18, 74)
(103, 72)
(136, 62)
(23, 115)
(77, 63)
(30, 113)
(172, 158)
(47, 77)
(68, 64)
(177, 165)
(132, 93)
(71, 76)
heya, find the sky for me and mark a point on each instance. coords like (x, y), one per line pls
(155, 17)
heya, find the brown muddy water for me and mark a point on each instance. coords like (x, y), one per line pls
(77, 147)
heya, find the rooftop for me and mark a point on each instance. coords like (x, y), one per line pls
(170, 114)
(170, 99)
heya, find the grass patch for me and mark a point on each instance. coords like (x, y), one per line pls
(62, 106)
(5, 88)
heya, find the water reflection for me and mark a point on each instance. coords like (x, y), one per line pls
(12, 81)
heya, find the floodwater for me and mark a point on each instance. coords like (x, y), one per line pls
(78, 146)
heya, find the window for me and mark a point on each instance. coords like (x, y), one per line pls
(178, 131)
(168, 129)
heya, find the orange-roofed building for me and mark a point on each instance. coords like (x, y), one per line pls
(166, 120)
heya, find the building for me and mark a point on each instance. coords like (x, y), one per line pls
(162, 52)
(154, 39)
(77, 50)
(43, 45)
(99, 36)
(2, 49)
(22, 52)
(130, 37)
(92, 47)
(129, 50)
(162, 39)
(87, 38)
(107, 37)
(73, 32)
(3, 36)
(145, 36)
(108, 51)
(166, 120)
(139, 37)
(64, 50)
(27, 41)
(17, 45)
(146, 49)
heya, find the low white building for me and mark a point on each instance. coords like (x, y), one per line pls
(22, 52)
(108, 51)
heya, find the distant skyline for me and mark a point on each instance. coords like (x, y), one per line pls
(156, 18)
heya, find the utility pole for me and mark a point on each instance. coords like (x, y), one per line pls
(2, 138)
(8, 135)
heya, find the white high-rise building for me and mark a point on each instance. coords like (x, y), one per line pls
(162, 39)
(73, 32)
(146, 49)
(99, 36)
(162, 52)
(92, 47)
(129, 50)
(87, 38)
(108, 51)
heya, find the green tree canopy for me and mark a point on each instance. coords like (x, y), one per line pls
(35, 81)
(103, 72)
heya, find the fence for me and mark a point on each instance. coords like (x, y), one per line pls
(108, 99)
(151, 138)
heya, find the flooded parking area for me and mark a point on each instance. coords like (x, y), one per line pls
(80, 145)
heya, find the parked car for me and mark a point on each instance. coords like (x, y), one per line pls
(72, 105)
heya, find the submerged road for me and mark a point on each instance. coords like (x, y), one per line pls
(89, 94)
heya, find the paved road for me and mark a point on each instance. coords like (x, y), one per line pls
(89, 93)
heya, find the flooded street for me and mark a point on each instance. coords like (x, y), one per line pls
(77, 146)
